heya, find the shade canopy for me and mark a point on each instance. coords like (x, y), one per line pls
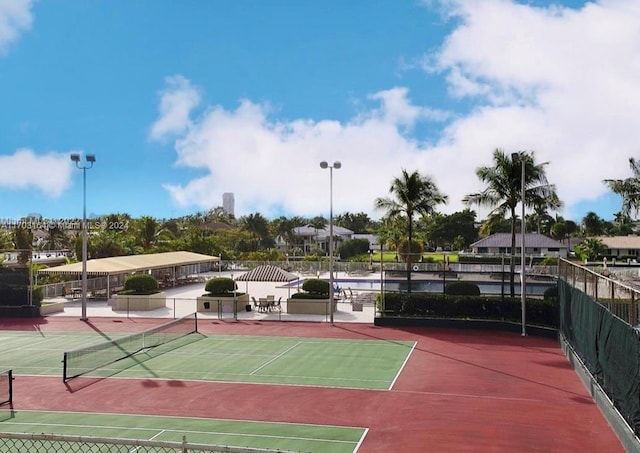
(267, 273)
(132, 263)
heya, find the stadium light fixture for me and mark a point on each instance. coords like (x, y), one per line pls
(324, 165)
(90, 158)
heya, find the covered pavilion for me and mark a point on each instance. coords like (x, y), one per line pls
(169, 268)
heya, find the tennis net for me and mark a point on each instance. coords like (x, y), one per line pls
(87, 359)
(6, 387)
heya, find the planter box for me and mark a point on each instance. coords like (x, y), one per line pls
(211, 303)
(147, 302)
(46, 308)
(309, 306)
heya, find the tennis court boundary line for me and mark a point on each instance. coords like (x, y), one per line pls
(393, 382)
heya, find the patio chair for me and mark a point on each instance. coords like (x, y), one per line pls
(255, 302)
(275, 305)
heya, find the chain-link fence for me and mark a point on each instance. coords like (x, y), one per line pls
(50, 443)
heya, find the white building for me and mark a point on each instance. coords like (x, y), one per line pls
(228, 203)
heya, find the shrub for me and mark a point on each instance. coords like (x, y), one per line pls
(539, 312)
(462, 289)
(220, 286)
(353, 247)
(316, 286)
(141, 284)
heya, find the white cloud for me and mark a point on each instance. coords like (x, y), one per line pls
(560, 81)
(48, 173)
(177, 101)
(397, 109)
(273, 165)
(15, 18)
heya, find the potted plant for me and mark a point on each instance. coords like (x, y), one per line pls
(314, 298)
(222, 294)
(141, 292)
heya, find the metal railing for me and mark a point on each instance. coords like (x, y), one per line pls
(619, 298)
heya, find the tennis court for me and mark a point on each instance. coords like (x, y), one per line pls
(235, 433)
(179, 354)
(365, 364)
(353, 388)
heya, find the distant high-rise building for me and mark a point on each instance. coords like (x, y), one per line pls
(228, 203)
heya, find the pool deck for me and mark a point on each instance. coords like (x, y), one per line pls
(181, 301)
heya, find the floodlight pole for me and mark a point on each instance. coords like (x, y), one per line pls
(90, 158)
(523, 278)
(335, 165)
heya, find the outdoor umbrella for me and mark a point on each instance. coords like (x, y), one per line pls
(267, 273)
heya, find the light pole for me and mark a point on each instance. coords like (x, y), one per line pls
(335, 165)
(90, 158)
(523, 279)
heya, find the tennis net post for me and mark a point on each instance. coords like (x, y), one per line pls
(6, 387)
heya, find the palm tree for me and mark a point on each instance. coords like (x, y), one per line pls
(503, 191)
(257, 226)
(23, 242)
(412, 194)
(590, 249)
(628, 189)
(592, 224)
(148, 230)
(318, 223)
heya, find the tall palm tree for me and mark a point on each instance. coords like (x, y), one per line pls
(503, 191)
(592, 224)
(413, 194)
(148, 229)
(318, 223)
(257, 226)
(628, 189)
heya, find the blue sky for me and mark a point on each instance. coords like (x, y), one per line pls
(183, 101)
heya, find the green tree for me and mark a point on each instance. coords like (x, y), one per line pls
(592, 224)
(412, 194)
(390, 233)
(23, 242)
(443, 229)
(590, 249)
(258, 228)
(358, 223)
(628, 189)
(503, 191)
(148, 228)
(318, 223)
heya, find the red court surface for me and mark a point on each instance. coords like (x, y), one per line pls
(460, 390)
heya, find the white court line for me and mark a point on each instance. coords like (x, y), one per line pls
(275, 358)
(364, 434)
(403, 364)
(188, 431)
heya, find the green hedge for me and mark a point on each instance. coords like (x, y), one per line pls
(309, 296)
(316, 286)
(539, 312)
(220, 286)
(140, 284)
(461, 289)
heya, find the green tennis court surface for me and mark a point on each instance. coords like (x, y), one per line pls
(366, 364)
(246, 434)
